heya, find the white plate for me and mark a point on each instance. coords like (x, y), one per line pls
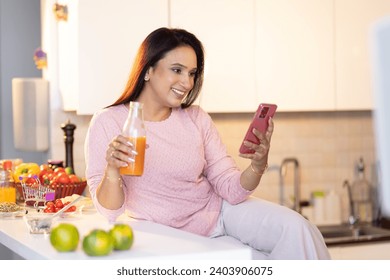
(63, 215)
(34, 211)
(88, 210)
(19, 213)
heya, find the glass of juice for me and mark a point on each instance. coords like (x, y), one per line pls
(136, 168)
(134, 130)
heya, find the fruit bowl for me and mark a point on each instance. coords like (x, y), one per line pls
(61, 190)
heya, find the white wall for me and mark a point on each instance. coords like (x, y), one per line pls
(20, 35)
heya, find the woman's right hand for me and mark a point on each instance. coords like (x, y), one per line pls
(120, 152)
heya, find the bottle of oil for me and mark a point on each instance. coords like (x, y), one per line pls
(362, 194)
(134, 130)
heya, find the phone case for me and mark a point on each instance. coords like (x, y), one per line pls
(260, 122)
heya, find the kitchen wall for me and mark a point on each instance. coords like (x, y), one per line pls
(20, 35)
(327, 145)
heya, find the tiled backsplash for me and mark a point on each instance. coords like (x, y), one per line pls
(327, 145)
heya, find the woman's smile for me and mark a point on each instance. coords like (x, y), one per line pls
(178, 93)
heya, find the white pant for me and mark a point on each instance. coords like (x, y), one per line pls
(275, 231)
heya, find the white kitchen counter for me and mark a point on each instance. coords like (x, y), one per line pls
(150, 241)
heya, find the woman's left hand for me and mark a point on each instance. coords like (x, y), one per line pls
(260, 156)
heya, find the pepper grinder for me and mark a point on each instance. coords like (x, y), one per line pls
(68, 129)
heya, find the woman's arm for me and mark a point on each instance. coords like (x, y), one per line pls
(110, 190)
(105, 153)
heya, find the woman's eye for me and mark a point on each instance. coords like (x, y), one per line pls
(192, 74)
(176, 70)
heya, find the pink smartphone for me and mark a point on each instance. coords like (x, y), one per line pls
(260, 122)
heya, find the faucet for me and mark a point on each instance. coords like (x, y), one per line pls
(276, 168)
(353, 219)
(297, 190)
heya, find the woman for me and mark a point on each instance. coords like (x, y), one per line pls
(189, 181)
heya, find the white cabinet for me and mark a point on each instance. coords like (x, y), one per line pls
(226, 28)
(353, 20)
(304, 55)
(97, 45)
(367, 251)
(295, 54)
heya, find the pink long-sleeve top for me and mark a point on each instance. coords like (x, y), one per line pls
(187, 170)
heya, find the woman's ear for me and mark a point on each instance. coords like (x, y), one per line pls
(147, 77)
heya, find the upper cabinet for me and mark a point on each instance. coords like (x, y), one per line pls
(314, 54)
(295, 54)
(304, 55)
(97, 45)
(353, 20)
(226, 29)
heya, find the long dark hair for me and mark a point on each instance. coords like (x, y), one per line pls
(154, 48)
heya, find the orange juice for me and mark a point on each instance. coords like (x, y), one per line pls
(136, 168)
(7, 194)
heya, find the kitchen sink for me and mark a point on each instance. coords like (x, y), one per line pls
(344, 234)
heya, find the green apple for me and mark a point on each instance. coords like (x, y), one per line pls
(69, 170)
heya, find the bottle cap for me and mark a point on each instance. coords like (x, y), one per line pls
(318, 194)
(7, 165)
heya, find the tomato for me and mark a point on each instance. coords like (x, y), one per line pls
(30, 181)
(48, 210)
(45, 180)
(44, 167)
(62, 179)
(58, 200)
(59, 170)
(74, 178)
(71, 209)
(49, 203)
(58, 203)
(48, 177)
(41, 173)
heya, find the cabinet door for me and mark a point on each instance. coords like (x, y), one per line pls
(364, 251)
(294, 54)
(226, 29)
(97, 46)
(353, 70)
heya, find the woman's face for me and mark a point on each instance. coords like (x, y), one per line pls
(172, 78)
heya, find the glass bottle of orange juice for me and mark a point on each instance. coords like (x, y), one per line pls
(134, 130)
(7, 184)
